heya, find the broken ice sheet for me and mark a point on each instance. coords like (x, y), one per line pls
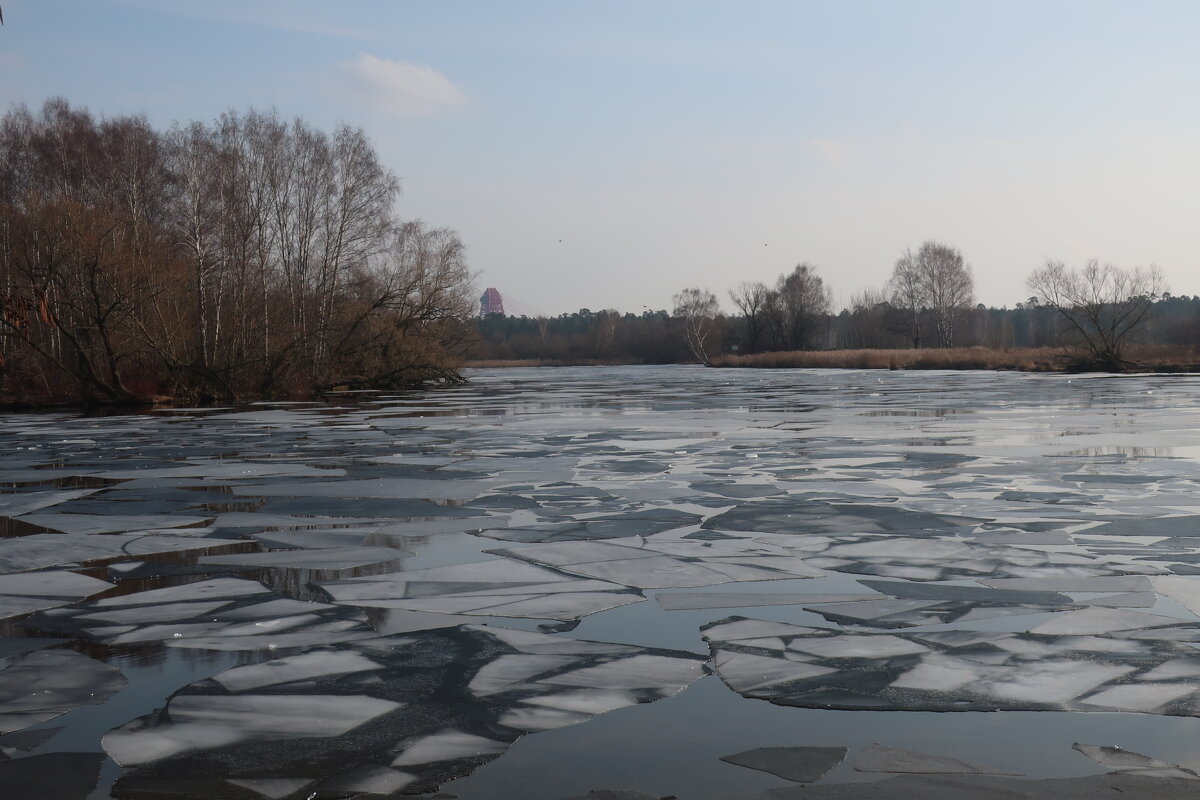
(664, 562)
(216, 614)
(950, 670)
(384, 713)
(41, 685)
(52, 549)
(1111, 756)
(883, 758)
(500, 587)
(799, 764)
(111, 523)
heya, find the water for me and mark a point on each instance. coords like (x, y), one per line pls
(811, 481)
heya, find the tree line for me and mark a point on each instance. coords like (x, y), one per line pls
(1095, 311)
(249, 256)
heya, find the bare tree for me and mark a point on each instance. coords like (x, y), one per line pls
(751, 299)
(908, 296)
(934, 279)
(698, 308)
(805, 302)
(1100, 304)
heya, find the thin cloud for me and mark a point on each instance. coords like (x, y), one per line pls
(832, 150)
(398, 88)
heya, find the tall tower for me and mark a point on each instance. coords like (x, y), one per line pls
(491, 303)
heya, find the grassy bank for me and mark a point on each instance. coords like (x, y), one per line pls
(1149, 358)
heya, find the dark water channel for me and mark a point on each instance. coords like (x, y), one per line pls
(556, 580)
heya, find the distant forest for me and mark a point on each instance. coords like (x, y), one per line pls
(1094, 314)
(656, 337)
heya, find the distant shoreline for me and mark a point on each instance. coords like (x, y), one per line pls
(1141, 358)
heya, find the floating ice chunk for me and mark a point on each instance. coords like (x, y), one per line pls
(1066, 583)
(856, 646)
(207, 721)
(585, 701)
(40, 685)
(316, 664)
(16, 606)
(747, 673)
(1118, 757)
(940, 673)
(332, 558)
(530, 642)
(512, 670)
(166, 612)
(52, 583)
(365, 779)
(1101, 620)
(680, 601)
(882, 758)
(799, 764)
(110, 523)
(448, 745)
(51, 549)
(201, 590)
(1175, 668)
(752, 629)
(382, 488)
(1144, 697)
(541, 719)
(1053, 682)
(273, 788)
(1183, 590)
(17, 503)
(636, 672)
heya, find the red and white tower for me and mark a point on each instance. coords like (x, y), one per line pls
(491, 303)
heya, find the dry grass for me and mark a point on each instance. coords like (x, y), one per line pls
(1040, 359)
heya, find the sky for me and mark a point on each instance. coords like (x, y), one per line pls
(609, 153)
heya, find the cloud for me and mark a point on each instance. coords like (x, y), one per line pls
(397, 88)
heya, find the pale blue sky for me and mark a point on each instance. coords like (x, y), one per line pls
(672, 144)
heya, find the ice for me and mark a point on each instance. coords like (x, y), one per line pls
(1101, 620)
(52, 549)
(541, 719)
(17, 503)
(641, 671)
(365, 779)
(799, 764)
(208, 721)
(41, 685)
(585, 701)
(749, 673)
(332, 558)
(1145, 697)
(697, 600)
(1052, 682)
(202, 590)
(489, 588)
(52, 583)
(511, 670)
(56, 776)
(850, 646)
(884, 758)
(110, 523)
(447, 746)
(382, 488)
(273, 788)
(294, 668)
(1183, 590)
(1117, 757)
(164, 612)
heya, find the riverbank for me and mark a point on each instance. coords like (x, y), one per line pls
(1144, 358)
